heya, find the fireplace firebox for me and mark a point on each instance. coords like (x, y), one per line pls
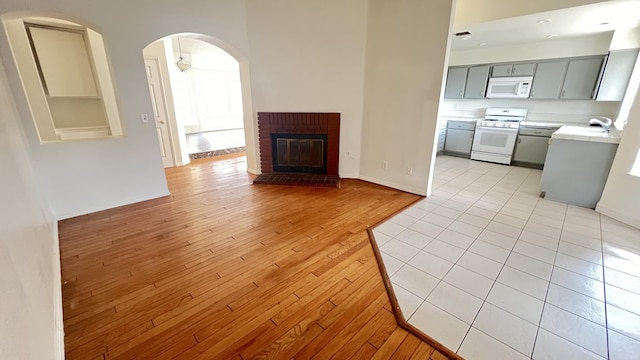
(299, 153)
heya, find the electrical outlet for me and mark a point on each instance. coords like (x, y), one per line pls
(409, 170)
(144, 118)
(385, 165)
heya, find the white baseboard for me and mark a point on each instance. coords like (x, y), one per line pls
(421, 192)
(253, 171)
(57, 295)
(110, 206)
(618, 216)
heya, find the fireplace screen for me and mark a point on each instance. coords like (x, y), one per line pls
(299, 153)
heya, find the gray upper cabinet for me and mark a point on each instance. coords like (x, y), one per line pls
(476, 82)
(525, 69)
(581, 79)
(548, 80)
(456, 79)
(617, 73)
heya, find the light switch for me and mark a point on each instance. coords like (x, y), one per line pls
(144, 118)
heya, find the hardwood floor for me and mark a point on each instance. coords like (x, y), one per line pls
(223, 269)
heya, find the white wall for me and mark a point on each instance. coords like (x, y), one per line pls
(406, 54)
(83, 177)
(476, 11)
(308, 56)
(577, 46)
(30, 304)
(621, 196)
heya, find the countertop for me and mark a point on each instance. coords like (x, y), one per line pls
(587, 133)
(541, 124)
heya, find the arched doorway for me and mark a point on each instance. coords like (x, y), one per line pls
(186, 111)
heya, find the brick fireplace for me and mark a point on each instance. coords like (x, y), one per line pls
(299, 142)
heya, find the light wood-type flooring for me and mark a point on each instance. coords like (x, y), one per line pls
(223, 269)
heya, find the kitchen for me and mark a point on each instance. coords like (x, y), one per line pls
(589, 80)
(487, 267)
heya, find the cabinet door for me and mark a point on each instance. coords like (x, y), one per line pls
(501, 70)
(476, 82)
(522, 70)
(617, 73)
(456, 78)
(581, 79)
(459, 141)
(548, 80)
(531, 149)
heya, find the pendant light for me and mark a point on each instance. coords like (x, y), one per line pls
(182, 64)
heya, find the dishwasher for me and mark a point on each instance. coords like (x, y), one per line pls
(532, 145)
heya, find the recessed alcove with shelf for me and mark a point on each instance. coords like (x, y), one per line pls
(66, 77)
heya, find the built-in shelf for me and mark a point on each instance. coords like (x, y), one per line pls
(67, 79)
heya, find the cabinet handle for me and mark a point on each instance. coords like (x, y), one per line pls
(519, 140)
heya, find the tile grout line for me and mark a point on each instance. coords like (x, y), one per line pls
(604, 285)
(544, 304)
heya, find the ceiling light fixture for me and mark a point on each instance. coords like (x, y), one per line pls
(542, 21)
(552, 36)
(182, 64)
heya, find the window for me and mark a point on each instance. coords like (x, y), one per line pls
(65, 74)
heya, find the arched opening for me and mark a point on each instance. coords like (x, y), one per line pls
(205, 110)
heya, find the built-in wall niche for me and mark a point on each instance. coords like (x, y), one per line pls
(66, 76)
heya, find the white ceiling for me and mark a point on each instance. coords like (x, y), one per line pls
(566, 23)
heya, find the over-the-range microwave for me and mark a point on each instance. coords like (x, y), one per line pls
(509, 87)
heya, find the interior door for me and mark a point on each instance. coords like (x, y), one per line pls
(159, 111)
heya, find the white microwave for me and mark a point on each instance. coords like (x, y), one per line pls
(509, 87)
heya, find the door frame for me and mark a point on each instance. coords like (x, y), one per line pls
(163, 95)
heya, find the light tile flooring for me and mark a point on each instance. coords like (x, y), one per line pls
(492, 271)
(215, 140)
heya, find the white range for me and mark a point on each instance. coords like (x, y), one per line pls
(496, 135)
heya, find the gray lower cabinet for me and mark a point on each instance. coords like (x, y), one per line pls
(581, 79)
(548, 80)
(531, 149)
(459, 137)
(456, 79)
(477, 79)
(575, 171)
(616, 75)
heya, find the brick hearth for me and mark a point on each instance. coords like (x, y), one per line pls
(299, 123)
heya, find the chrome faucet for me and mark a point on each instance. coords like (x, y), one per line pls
(605, 123)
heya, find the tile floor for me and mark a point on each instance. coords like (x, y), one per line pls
(215, 140)
(492, 271)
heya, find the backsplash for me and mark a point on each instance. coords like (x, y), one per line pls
(559, 111)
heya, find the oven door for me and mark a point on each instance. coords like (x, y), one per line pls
(495, 140)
